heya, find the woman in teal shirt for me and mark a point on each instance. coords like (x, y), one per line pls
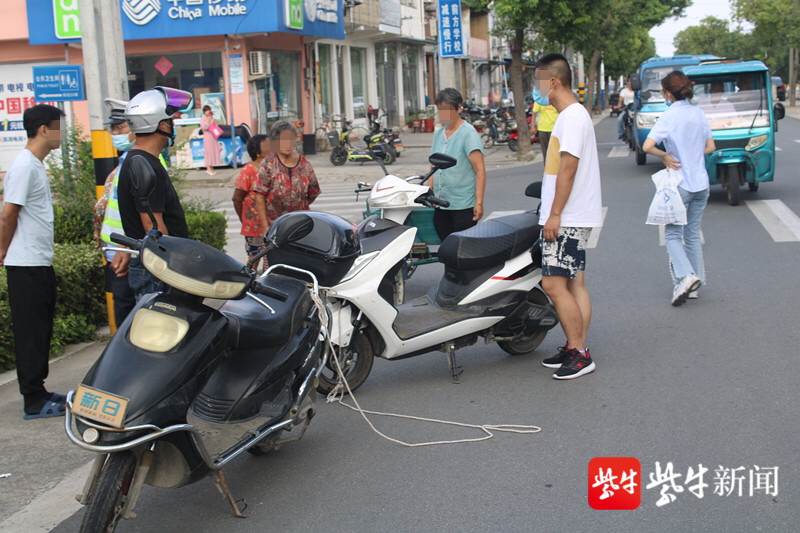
(463, 184)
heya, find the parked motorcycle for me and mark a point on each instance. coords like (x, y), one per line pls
(343, 149)
(390, 138)
(187, 384)
(490, 287)
(513, 137)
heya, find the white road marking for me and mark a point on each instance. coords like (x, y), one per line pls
(662, 239)
(778, 149)
(50, 508)
(619, 151)
(498, 214)
(595, 236)
(782, 224)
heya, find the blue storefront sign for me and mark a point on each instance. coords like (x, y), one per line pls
(451, 36)
(58, 21)
(58, 83)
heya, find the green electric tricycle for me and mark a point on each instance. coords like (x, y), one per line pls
(736, 97)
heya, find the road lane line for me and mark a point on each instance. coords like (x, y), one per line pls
(780, 222)
(595, 236)
(662, 241)
(497, 214)
(619, 151)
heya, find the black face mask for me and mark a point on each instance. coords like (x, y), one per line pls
(170, 135)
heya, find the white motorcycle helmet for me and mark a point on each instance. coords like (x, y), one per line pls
(148, 108)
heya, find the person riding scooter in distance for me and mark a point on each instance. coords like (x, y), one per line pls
(626, 97)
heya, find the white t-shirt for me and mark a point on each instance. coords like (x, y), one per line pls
(684, 130)
(26, 185)
(574, 133)
(626, 96)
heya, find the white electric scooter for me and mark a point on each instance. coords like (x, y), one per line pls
(490, 288)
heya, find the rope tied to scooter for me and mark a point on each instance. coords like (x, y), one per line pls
(337, 396)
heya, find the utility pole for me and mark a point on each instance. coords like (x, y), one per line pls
(792, 74)
(106, 77)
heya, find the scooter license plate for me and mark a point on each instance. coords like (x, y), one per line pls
(100, 406)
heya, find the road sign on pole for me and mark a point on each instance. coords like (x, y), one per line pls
(58, 83)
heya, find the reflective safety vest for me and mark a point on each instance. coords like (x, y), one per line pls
(112, 221)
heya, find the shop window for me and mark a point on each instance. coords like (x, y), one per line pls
(358, 70)
(279, 96)
(198, 73)
(410, 79)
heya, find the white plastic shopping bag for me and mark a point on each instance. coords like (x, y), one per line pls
(667, 206)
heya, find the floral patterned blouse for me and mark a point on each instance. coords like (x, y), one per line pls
(287, 189)
(248, 181)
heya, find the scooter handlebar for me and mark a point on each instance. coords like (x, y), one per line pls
(438, 201)
(133, 244)
(269, 291)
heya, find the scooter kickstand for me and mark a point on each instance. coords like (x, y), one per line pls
(222, 487)
(455, 370)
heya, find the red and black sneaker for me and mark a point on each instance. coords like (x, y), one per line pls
(556, 360)
(575, 365)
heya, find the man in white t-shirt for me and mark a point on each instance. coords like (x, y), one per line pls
(571, 207)
(26, 252)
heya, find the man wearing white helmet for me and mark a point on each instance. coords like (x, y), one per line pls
(149, 115)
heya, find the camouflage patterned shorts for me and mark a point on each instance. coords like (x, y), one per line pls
(567, 255)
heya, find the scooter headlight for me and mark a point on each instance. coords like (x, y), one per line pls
(646, 120)
(397, 199)
(755, 142)
(157, 332)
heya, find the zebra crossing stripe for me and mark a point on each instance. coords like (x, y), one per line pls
(595, 236)
(780, 222)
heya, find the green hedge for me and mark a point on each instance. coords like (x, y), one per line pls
(80, 304)
(208, 227)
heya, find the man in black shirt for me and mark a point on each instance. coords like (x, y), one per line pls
(149, 115)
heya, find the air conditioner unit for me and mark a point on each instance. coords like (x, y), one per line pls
(259, 64)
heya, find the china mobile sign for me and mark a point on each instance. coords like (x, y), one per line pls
(58, 21)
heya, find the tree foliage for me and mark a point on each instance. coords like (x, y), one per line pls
(712, 36)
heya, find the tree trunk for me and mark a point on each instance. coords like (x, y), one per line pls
(593, 66)
(519, 94)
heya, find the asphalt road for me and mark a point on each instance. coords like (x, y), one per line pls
(712, 382)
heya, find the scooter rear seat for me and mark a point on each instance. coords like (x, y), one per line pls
(490, 243)
(257, 327)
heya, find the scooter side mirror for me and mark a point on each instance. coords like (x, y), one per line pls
(534, 190)
(779, 111)
(143, 179)
(291, 229)
(636, 83)
(440, 161)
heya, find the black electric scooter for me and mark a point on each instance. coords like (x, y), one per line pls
(219, 364)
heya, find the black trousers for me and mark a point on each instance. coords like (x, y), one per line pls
(32, 296)
(447, 221)
(124, 298)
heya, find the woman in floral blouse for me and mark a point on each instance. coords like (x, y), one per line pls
(287, 180)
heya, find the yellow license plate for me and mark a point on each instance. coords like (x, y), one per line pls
(100, 406)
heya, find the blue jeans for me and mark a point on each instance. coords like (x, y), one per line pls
(141, 281)
(684, 246)
(621, 124)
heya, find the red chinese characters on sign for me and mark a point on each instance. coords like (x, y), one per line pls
(14, 105)
(614, 483)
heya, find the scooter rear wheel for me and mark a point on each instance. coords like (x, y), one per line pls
(487, 141)
(527, 343)
(106, 503)
(356, 363)
(513, 144)
(338, 156)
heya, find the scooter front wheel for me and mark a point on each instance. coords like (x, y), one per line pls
(513, 144)
(108, 499)
(356, 361)
(487, 141)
